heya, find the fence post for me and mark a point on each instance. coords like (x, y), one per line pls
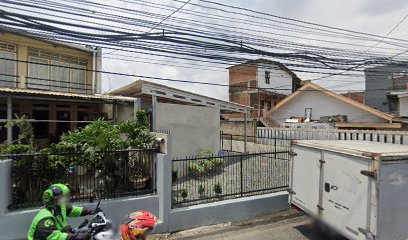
(5, 185)
(164, 182)
(242, 177)
(274, 135)
(222, 140)
(231, 143)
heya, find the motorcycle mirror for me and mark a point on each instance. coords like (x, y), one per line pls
(83, 224)
(97, 206)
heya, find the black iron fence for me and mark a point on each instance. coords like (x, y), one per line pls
(103, 175)
(199, 180)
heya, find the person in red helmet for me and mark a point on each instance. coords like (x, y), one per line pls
(137, 225)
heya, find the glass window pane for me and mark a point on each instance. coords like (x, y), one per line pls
(78, 79)
(59, 79)
(7, 69)
(38, 74)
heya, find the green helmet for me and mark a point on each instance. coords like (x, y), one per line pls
(54, 191)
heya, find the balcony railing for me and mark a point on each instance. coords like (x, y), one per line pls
(11, 81)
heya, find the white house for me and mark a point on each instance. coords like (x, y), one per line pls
(314, 103)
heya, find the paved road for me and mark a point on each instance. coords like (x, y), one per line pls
(294, 229)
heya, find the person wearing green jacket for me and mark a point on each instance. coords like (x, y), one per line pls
(51, 222)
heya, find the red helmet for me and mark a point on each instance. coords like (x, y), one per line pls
(137, 224)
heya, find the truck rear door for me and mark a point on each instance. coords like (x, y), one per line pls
(305, 179)
(345, 194)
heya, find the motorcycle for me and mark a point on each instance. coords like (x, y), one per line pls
(135, 226)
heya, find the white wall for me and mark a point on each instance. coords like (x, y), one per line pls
(279, 78)
(403, 106)
(124, 113)
(191, 127)
(322, 105)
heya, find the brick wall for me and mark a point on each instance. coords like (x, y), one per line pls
(239, 76)
(242, 74)
(238, 97)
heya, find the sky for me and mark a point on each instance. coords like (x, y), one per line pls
(373, 16)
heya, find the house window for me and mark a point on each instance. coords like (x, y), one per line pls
(40, 128)
(8, 68)
(38, 72)
(78, 79)
(59, 76)
(57, 72)
(267, 77)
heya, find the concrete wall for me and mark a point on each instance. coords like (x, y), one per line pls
(238, 127)
(226, 211)
(278, 78)
(377, 85)
(14, 225)
(191, 127)
(322, 105)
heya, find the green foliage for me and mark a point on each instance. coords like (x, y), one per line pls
(217, 188)
(203, 152)
(201, 190)
(24, 139)
(26, 132)
(17, 149)
(184, 193)
(101, 136)
(217, 163)
(196, 169)
(137, 132)
(207, 165)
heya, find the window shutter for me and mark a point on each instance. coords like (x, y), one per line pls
(78, 79)
(59, 79)
(7, 69)
(38, 73)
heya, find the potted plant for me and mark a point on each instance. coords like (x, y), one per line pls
(139, 180)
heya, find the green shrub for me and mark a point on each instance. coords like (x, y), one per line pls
(17, 149)
(101, 136)
(217, 163)
(137, 132)
(184, 193)
(201, 190)
(196, 169)
(207, 164)
(217, 189)
(204, 152)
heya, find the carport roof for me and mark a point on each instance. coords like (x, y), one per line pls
(144, 89)
(43, 94)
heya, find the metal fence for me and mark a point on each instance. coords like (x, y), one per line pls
(235, 143)
(226, 140)
(395, 137)
(103, 175)
(198, 180)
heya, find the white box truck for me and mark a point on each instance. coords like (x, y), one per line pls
(358, 188)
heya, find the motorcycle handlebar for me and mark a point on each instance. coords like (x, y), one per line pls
(83, 224)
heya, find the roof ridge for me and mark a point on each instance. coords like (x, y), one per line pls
(333, 94)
